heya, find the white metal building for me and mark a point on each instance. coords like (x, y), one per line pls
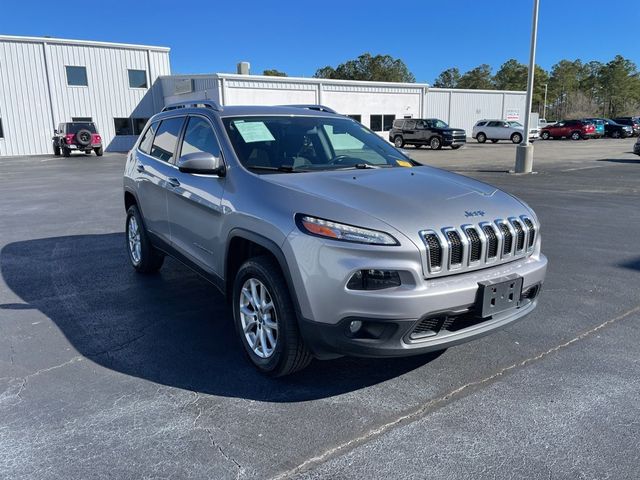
(375, 104)
(46, 81)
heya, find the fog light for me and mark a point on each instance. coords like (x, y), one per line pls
(374, 280)
(354, 326)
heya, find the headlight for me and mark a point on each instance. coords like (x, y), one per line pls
(340, 231)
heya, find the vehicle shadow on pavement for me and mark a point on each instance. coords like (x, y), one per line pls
(621, 160)
(173, 328)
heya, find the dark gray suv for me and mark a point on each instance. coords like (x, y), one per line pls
(327, 240)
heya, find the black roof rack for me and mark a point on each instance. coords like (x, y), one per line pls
(194, 104)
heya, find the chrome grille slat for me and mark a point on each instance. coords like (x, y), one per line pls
(473, 246)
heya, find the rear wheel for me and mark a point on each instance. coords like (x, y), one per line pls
(576, 135)
(545, 135)
(516, 138)
(99, 151)
(481, 137)
(615, 134)
(265, 319)
(435, 143)
(398, 142)
(66, 152)
(143, 256)
(56, 150)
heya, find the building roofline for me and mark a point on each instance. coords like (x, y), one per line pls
(473, 90)
(308, 80)
(88, 43)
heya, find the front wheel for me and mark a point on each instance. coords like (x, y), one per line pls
(398, 142)
(66, 152)
(265, 319)
(144, 258)
(435, 143)
(516, 138)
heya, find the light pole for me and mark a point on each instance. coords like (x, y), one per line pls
(524, 151)
(544, 107)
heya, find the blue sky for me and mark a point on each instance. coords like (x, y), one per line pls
(299, 36)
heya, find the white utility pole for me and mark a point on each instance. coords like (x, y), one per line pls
(524, 151)
(544, 107)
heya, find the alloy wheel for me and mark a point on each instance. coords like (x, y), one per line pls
(135, 244)
(258, 318)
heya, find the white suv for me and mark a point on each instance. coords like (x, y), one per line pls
(496, 130)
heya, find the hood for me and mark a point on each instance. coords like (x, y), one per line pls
(408, 199)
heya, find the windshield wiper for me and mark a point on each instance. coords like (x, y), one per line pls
(281, 168)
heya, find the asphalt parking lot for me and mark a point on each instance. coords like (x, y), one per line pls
(106, 374)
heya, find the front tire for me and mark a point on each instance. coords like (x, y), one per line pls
(143, 256)
(66, 152)
(435, 143)
(481, 137)
(265, 319)
(398, 142)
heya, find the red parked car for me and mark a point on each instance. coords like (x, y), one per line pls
(573, 129)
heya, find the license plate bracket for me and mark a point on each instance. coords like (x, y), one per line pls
(499, 295)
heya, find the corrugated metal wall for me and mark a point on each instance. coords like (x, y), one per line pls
(29, 116)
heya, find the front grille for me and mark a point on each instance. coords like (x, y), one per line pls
(472, 246)
(455, 247)
(532, 232)
(434, 250)
(430, 327)
(507, 239)
(519, 235)
(475, 246)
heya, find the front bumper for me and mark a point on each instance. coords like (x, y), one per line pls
(458, 140)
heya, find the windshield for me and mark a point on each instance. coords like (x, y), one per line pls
(272, 144)
(75, 127)
(515, 124)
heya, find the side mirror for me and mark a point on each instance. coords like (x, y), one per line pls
(202, 163)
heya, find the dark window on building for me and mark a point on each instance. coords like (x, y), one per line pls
(77, 76)
(375, 122)
(138, 125)
(1, 131)
(81, 119)
(199, 137)
(123, 126)
(387, 122)
(357, 118)
(138, 78)
(147, 140)
(164, 143)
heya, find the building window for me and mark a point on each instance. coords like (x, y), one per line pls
(129, 126)
(81, 119)
(1, 131)
(375, 123)
(387, 122)
(77, 76)
(357, 118)
(138, 78)
(123, 126)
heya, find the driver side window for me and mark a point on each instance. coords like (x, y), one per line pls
(200, 137)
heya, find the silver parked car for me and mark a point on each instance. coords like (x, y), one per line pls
(496, 130)
(327, 240)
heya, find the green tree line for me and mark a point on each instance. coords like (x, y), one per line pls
(574, 89)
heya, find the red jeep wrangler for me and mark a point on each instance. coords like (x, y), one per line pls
(79, 136)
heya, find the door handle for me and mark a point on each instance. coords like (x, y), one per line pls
(173, 181)
(140, 168)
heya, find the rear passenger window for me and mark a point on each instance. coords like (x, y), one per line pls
(164, 143)
(147, 140)
(199, 137)
(410, 125)
(480, 124)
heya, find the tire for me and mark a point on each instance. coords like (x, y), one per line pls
(494, 141)
(143, 257)
(66, 152)
(83, 137)
(56, 150)
(99, 151)
(435, 143)
(481, 138)
(455, 147)
(289, 353)
(615, 134)
(516, 138)
(398, 142)
(545, 136)
(576, 136)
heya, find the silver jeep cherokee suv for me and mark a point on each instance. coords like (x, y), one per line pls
(326, 239)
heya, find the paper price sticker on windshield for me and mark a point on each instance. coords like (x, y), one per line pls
(404, 163)
(253, 131)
